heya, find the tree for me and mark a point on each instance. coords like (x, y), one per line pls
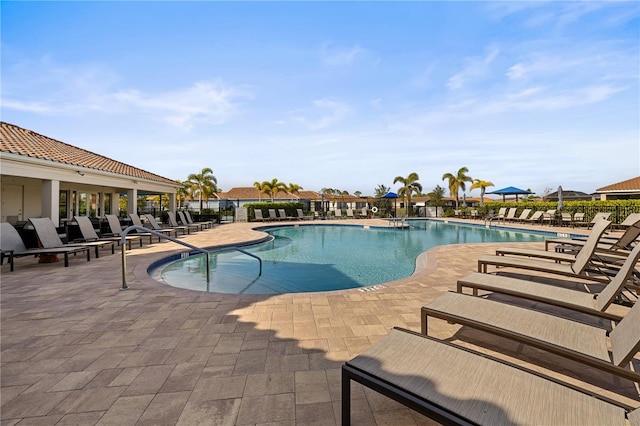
(436, 196)
(381, 190)
(183, 192)
(203, 185)
(271, 187)
(357, 193)
(410, 185)
(457, 182)
(483, 185)
(293, 188)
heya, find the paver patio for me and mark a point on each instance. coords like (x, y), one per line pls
(75, 349)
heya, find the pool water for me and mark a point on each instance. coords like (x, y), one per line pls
(326, 257)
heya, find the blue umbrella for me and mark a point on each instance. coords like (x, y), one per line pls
(391, 195)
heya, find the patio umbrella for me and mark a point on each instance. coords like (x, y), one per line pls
(560, 198)
(510, 190)
(391, 195)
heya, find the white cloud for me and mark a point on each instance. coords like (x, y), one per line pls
(475, 68)
(327, 112)
(68, 90)
(340, 56)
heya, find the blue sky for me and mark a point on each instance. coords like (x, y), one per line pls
(344, 95)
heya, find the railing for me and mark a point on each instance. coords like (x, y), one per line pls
(123, 240)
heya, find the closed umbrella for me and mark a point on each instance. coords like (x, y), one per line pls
(560, 200)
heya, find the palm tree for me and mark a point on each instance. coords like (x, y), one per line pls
(410, 185)
(483, 185)
(183, 192)
(457, 182)
(203, 184)
(260, 186)
(271, 187)
(293, 188)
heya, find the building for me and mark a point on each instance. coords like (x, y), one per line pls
(44, 177)
(626, 190)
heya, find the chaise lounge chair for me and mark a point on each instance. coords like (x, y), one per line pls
(12, 246)
(283, 215)
(536, 217)
(173, 223)
(258, 214)
(581, 301)
(453, 385)
(116, 230)
(301, 215)
(618, 242)
(136, 221)
(511, 214)
(156, 226)
(577, 341)
(206, 223)
(89, 234)
(582, 267)
(272, 215)
(185, 222)
(49, 238)
(524, 215)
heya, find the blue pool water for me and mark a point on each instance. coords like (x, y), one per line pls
(325, 257)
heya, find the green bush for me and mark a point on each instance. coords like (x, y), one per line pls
(290, 208)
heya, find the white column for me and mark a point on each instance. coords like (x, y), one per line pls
(51, 200)
(132, 201)
(172, 202)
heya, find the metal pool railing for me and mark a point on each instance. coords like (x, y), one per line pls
(123, 239)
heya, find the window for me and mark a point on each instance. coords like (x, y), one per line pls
(63, 205)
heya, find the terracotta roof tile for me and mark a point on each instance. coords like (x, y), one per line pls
(16, 140)
(632, 184)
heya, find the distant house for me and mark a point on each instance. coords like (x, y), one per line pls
(239, 196)
(44, 177)
(626, 190)
(568, 195)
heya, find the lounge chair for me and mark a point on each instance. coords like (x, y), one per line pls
(350, 214)
(283, 215)
(185, 222)
(577, 341)
(173, 223)
(566, 219)
(258, 214)
(116, 230)
(597, 217)
(536, 217)
(272, 215)
(474, 213)
(549, 217)
(89, 234)
(206, 223)
(592, 241)
(337, 214)
(629, 221)
(609, 242)
(49, 238)
(453, 385)
(578, 219)
(582, 267)
(500, 216)
(301, 215)
(136, 221)
(511, 214)
(363, 214)
(12, 246)
(155, 226)
(581, 301)
(524, 215)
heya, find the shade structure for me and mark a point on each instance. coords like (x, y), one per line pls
(510, 190)
(391, 195)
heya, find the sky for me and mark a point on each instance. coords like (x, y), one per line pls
(342, 95)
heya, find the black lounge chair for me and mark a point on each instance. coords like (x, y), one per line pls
(12, 246)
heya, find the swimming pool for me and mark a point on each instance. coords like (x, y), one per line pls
(311, 258)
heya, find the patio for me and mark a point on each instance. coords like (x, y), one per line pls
(78, 350)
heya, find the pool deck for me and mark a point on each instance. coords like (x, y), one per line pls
(76, 350)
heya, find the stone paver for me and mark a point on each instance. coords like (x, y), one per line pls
(76, 349)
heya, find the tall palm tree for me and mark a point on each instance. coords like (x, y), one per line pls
(483, 185)
(410, 185)
(183, 192)
(293, 188)
(271, 187)
(457, 182)
(203, 184)
(260, 186)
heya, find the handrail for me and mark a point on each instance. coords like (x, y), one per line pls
(123, 240)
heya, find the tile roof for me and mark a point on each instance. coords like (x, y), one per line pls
(16, 140)
(251, 193)
(629, 185)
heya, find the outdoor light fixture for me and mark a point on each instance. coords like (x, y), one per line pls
(80, 173)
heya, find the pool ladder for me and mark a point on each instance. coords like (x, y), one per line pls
(123, 240)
